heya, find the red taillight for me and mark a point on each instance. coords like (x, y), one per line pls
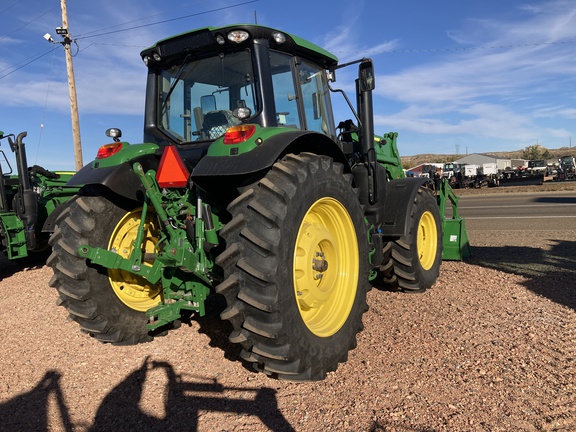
(239, 133)
(108, 150)
(172, 172)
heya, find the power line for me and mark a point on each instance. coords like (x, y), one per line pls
(117, 31)
(19, 63)
(135, 20)
(11, 6)
(170, 20)
(28, 23)
(112, 44)
(44, 112)
(27, 63)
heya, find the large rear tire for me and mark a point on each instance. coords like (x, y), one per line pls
(110, 304)
(296, 268)
(412, 262)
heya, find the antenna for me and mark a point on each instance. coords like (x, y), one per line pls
(255, 18)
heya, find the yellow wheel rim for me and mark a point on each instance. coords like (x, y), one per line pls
(427, 241)
(134, 291)
(326, 267)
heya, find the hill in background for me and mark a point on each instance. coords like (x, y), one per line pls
(412, 161)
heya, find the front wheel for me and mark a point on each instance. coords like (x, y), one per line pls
(412, 262)
(296, 268)
(108, 304)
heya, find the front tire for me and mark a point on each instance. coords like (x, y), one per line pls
(296, 268)
(412, 262)
(108, 304)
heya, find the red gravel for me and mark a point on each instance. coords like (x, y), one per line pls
(491, 347)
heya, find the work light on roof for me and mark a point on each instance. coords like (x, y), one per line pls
(280, 38)
(220, 39)
(238, 36)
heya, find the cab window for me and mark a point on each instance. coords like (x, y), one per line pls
(285, 95)
(198, 99)
(316, 98)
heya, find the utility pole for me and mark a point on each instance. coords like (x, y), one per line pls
(71, 87)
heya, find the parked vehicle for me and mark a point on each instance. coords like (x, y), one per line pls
(30, 201)
(246, 187)
(537, 167)
(463, 176)
(566, 168)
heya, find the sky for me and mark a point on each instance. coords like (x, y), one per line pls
(452, 76)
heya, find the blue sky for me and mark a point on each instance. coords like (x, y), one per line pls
(473, 76)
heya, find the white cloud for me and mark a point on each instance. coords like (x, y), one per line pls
(491, 92)
(344, 41)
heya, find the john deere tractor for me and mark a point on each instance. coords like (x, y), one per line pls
(245, 187)
(30, 200)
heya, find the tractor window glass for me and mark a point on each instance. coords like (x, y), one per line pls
(316, 99)
(198, 98)
(284, 91)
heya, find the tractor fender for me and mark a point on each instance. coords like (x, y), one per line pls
(260, 159)
(120, 178)
(50, 223)
(399, 199)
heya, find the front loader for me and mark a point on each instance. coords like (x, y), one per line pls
(246, 188)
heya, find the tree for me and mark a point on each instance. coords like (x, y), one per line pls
(535, 152)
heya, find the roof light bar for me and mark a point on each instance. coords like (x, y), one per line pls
(238, 36)
(279, 38)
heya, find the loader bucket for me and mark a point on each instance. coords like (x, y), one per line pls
(522, 181)
(455, 242)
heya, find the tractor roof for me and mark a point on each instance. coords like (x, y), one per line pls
(215, 39)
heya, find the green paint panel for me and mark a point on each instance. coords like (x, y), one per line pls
(15, 236)
(218, 148)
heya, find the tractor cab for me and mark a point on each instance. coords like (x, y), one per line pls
(205, 82)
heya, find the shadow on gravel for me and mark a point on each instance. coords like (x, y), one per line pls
(549, 273)
(10, 267)
(218, 329)
(391, 426)
(184, 401)
(28, 412)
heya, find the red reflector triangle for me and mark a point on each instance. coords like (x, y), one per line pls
(171, 173)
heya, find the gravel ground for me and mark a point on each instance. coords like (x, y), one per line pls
(489, 348)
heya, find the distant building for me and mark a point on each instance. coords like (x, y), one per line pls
(481, 159)
(425, 167)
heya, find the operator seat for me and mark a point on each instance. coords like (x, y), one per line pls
(216, 122)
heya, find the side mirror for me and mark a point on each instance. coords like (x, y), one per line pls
(366, 76)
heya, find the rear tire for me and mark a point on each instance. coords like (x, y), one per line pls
(296, 268)
(412, 262)
(109, 305)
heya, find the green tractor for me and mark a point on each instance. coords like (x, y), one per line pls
(30, 201)
(246, 187)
